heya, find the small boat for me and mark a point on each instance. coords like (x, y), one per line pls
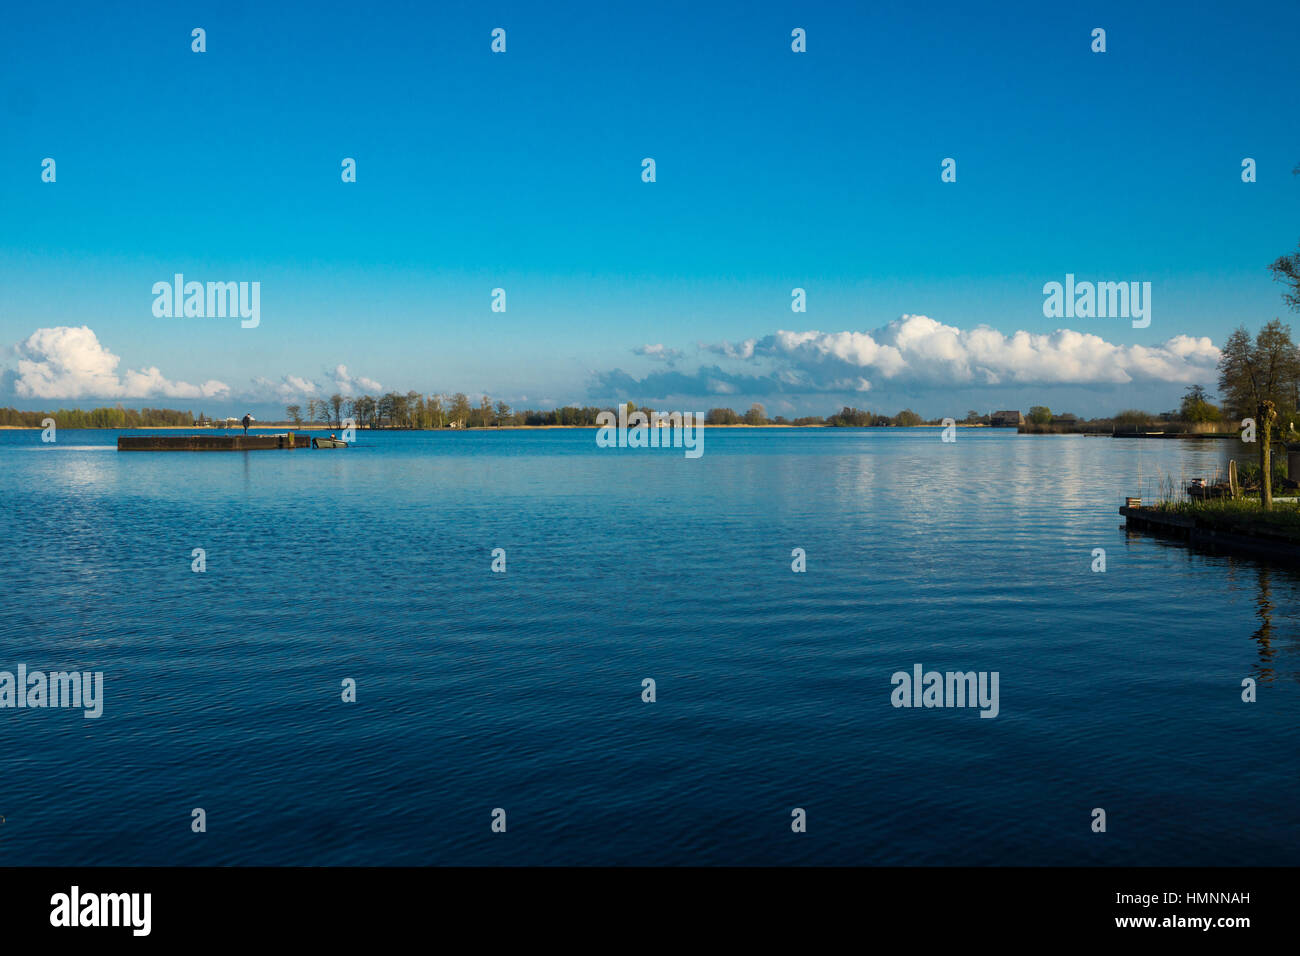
(328, 443)
(1200, 490)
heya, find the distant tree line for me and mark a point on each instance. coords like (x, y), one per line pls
(845, 417)
(117, 417)
(413, 410)
(1254, 372)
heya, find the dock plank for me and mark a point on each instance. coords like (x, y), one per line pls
(211, 442)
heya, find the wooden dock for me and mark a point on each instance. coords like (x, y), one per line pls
(1255, 541)
(1190, 436)
(211, 442)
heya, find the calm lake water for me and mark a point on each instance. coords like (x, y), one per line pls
(522, 690)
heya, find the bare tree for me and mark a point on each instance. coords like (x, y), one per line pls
(460, 409)
(1287, 269)
(1261, 376)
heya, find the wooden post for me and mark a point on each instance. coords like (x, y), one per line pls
(1233, 488)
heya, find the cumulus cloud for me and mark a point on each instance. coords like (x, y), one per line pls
(710, 380)
(289, 387)
(740, 350)
(917, 350)
(70, 362)
(349, 384)
(337, 379)
(659, 353)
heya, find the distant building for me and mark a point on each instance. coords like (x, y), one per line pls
(1011, 419)
(1066, 419)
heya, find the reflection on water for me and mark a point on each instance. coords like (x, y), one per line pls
(57, 447)
(1264, 634)
(523, 688)
(1253, 580)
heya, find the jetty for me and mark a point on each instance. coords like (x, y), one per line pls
(1189, 436)
(211, 442)
(1248, 537)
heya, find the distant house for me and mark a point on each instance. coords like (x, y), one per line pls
(1066, 419)
(1011, 419)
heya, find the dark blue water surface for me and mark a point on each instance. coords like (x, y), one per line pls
(522, 690)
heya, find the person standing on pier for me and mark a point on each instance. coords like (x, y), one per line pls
(247, 421)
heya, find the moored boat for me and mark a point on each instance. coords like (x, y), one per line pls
(1200, 490)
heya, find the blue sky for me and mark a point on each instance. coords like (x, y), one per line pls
(522, 170)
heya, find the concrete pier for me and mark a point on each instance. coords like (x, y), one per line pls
(1257, 541)
(211, 442)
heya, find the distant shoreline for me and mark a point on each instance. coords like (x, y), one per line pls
(475, 428)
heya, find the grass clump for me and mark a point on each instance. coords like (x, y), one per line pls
(1242, 515)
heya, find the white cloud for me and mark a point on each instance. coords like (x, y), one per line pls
(739, 350)
(658, 352)
(338, 379)
(68, 362)
(349, 384)
(289, 387)
(915, 349)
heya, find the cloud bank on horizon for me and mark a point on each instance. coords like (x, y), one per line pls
(913, 351)
(67, 362)
(920, 352)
